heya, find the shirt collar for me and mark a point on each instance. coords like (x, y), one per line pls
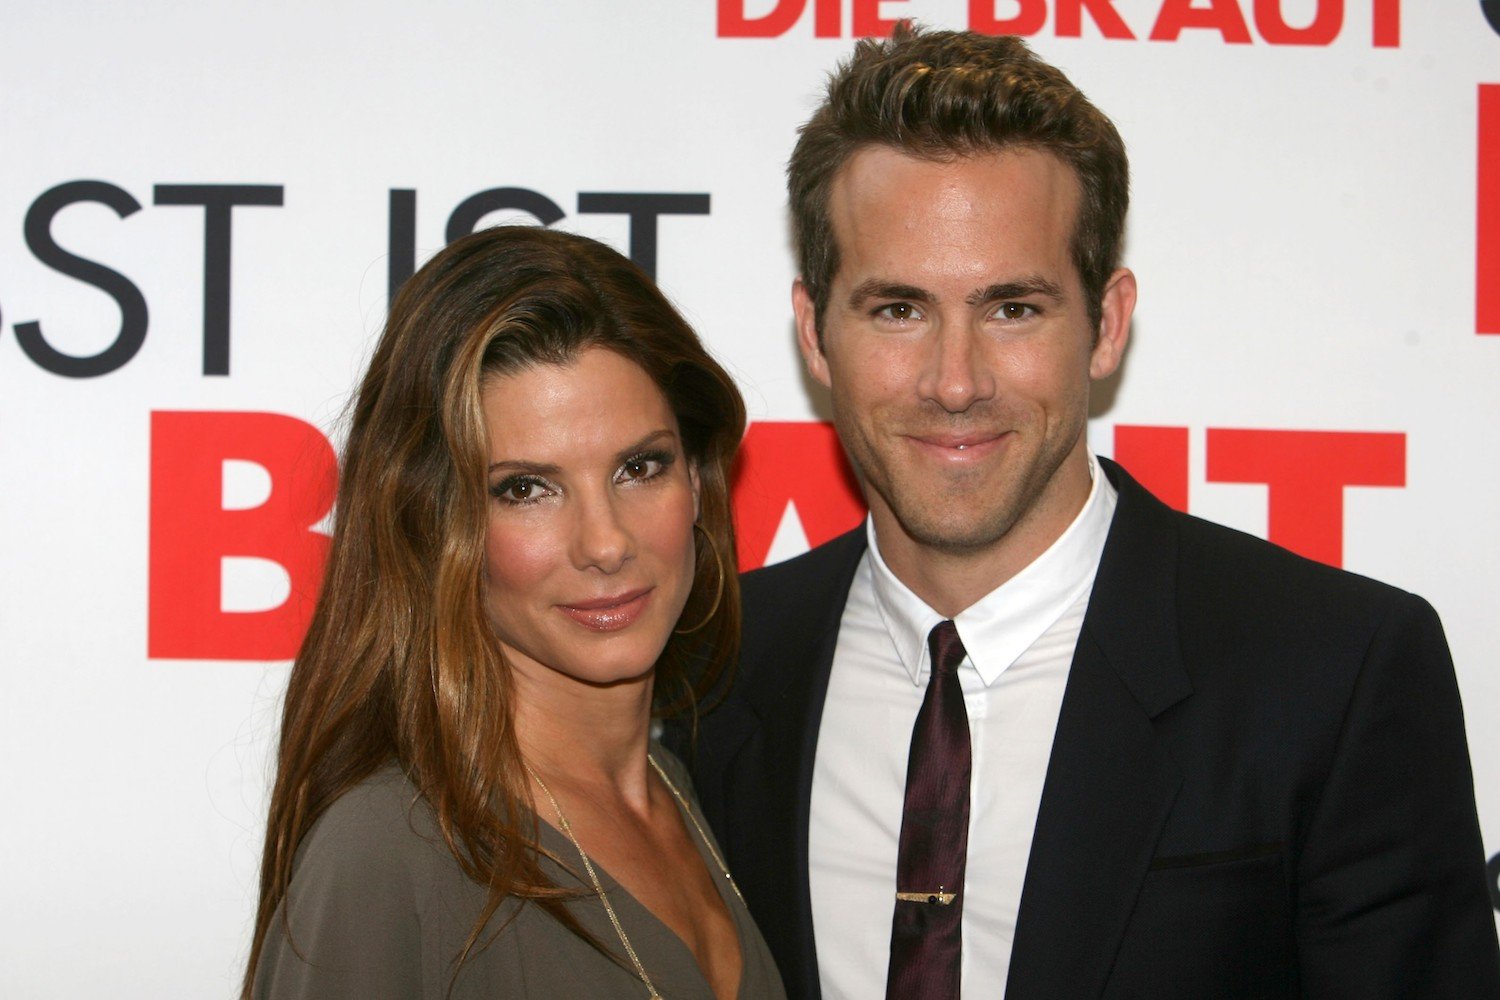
(1003, 624)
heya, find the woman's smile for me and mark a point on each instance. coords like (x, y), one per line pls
(609, 614)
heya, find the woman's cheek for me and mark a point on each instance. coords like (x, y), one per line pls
(672, 537)
(519, 556)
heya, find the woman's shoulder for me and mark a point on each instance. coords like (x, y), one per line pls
(364, 878)
(382, 812)
(676, 773)
(675, 769)
(379, 838)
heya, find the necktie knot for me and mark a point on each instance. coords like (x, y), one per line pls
(946, 647)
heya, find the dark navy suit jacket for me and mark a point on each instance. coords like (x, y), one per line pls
(1259, 786)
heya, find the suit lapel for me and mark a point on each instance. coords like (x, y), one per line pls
(1109, 782)
(786, 708)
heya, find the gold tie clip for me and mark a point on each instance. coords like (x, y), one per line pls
(940, 897)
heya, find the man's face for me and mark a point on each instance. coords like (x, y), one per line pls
(958, 347)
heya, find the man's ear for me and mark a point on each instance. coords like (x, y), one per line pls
(807, 332)
(1114, 324)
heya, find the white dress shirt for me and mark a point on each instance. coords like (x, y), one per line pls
(1020, 639)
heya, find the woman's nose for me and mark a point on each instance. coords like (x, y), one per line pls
(602, 539)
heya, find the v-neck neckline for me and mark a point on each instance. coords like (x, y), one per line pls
(563, 847)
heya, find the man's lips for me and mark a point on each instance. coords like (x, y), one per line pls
(968, 446)
(610, 613)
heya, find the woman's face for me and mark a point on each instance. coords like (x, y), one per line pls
(589, 552)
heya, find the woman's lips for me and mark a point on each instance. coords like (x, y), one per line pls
(609, 614)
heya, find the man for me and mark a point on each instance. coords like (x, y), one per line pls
(1029, 731)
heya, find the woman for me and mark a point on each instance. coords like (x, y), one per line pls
(532, 554)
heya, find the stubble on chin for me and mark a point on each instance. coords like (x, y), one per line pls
(957, 525)
(961, 512)
(956, 512)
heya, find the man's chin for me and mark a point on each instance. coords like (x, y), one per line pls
(960, 532)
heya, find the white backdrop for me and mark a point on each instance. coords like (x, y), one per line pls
(1314, 229)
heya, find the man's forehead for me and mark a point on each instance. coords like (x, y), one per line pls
(888, 205)
(876, 163)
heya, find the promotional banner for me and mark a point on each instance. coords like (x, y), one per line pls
(206, 208)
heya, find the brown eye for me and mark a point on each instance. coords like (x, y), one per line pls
(901, 312)
(520, 490)
(1014, 310)
(642, 467)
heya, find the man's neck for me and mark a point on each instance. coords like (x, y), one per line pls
(950, 580)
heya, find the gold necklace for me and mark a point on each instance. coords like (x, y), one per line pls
(702, 835)
(588, 866)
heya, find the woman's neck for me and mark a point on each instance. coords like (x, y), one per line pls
(584, 736)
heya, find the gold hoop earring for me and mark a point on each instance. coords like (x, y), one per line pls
(718, 593)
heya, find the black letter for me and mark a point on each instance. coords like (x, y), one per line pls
(1491, 9)
(218, 200)
(477, 206)
(1493, 868)
(401, 245)
(643, 210)
(133, 314)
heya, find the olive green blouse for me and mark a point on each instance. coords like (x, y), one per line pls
(378, 908)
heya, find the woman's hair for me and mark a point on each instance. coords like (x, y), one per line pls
(400, 663)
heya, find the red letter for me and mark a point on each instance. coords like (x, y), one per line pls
(191, 532)
(1487, 244)
(1306, 472)
(826, 15)
(1222, 16)
(1158, 458)
(1387, 29)
(1325, 27)
(867, 20)
(791, 463)
(1030, 19)
(1070, 18)
(734, 24)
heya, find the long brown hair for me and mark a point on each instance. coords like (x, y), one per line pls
(400, 663)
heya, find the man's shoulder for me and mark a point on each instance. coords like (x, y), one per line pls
(1219, 562)
(820, 571)
(1219, 567)
(791, 604)
(1239, 621)
(1248, 611)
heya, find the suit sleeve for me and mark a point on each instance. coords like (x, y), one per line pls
(1392, 901)
(352, 929)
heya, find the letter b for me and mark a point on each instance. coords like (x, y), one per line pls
(192, 533)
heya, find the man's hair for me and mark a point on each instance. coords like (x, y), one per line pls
(945, 94)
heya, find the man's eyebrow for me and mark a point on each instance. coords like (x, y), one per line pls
(875, 288)
(1033, 284)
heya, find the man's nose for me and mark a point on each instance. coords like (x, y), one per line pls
(955, 373)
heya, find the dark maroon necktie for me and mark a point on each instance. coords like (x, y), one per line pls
(927, 930)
